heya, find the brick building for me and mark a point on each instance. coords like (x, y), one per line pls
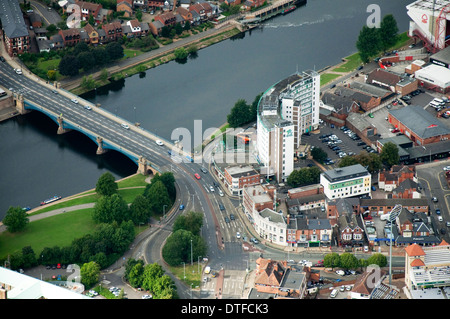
(15, 33)
(389, 180)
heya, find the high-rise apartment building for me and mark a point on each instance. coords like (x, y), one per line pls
(286, 111)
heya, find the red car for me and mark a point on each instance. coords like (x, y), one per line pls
(395, 130)
(197, 176)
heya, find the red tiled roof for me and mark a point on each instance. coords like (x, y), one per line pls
(417, 263)
(414, 250)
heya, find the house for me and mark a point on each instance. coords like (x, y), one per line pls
(185, 14)
(389, 180)
(351, 232)
(278, 279)
(305, 198)
(92, 34)
(271, 226)
(381, 206)
(402, 85)
(125, 7)
(414, 227)
(166, 19)
(15, 32)
(154, 4)
(113, 31)
(364, 100)
(90, 9)
(257, 198)
(406, 189)
(35, 20)
(203, 9)
(308, 232)
(156, 27)
(368, 284)
(70, 37)
(342, 206)
(238, 177)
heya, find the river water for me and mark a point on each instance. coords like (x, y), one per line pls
(37, 164)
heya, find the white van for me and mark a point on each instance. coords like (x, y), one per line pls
(207, 270)
(334, 293)
(125, 126)
(384, 217)
(435, 104)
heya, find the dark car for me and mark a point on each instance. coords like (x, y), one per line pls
(227, 220)
(221, 207)
(443, 231)
(231, 216)
(2, 59)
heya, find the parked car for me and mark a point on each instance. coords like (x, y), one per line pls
(340, 272)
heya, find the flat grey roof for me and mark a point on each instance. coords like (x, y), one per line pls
(420, 121)
(343, 173)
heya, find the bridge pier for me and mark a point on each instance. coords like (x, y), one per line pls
(61, 129)
(144, 167)
(100, 149)
(20, 103)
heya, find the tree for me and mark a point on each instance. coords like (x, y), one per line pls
(388, 32)
(86, 60)
(69, 65)
(158, 197)
(106, 185)
(151, 273)
(15, 219)
(80, 47)
(29, 257)
(319, 154)
(140, 210)
(115, 50)
(178, 28)
(177, 248)
(101, 55)
(349, 261)
(192, 221)
(240, 114)
(377, 259)
(109, 209)
(368, 43)
(181, 54)
(254, 107)
(331, 260)
(90, 274)
(389, 154)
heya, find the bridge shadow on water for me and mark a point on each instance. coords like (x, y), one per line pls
(79, 143)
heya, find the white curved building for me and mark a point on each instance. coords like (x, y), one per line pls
(285, 111)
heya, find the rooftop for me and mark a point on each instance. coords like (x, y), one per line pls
(420, 121)
(343, 173)
(12, 20)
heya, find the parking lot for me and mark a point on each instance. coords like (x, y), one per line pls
(335, 142)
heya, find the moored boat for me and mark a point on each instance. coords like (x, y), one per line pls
(50, 200)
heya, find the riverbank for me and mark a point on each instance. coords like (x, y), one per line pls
(152, 59)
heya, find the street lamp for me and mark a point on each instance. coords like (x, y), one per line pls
(184, 268)
(192, 257)
(164, 212)
(394, 213)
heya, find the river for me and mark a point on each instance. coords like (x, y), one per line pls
(37, 164)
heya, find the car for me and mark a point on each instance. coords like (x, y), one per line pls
(30, 11)
(221, 207)
(254, 240)
(158, 142)
(211, 188)
(227, 220)
(440, 218)
(74, 101)
(197, 176)
(360, 67)
(2, 59)
(125, 126)
(395, 130)
(18, 71)
(371, 115)
(340, 272)
(447, 224)
(238, 235)
(232, 216)
(334, 293)
(220, 192)
(373, 188)
(434, 199)
(87, 107)
(147, 297)
(342, 288)
(438, 211)
(54, 92)
(181, 207)
(446, 168)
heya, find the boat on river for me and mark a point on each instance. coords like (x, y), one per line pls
(50, 200)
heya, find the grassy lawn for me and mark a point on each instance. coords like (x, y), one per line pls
(192, 274)
(59, 230)
(131, 53)
(327, 77)
(353, 61)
